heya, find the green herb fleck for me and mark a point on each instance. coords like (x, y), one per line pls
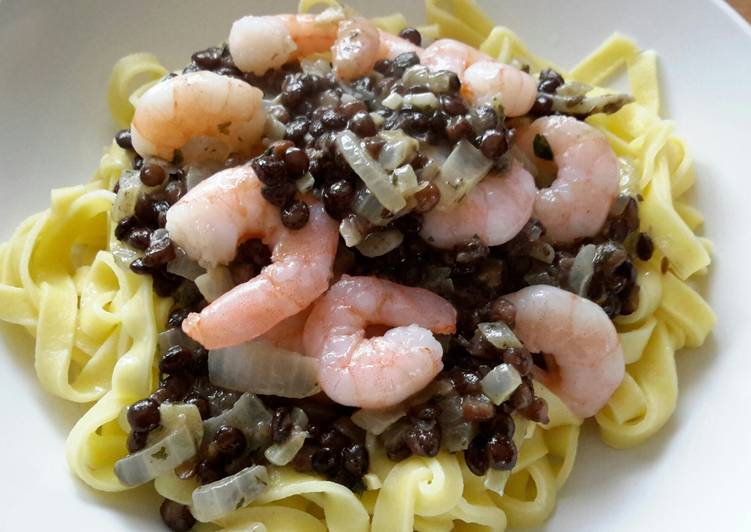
(224, 128)
(240, 503)
(542, 148)
(99, 430)
(161, 454)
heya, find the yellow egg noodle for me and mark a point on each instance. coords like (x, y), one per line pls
(95, 323)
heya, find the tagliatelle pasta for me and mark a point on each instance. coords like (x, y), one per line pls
(95, 323)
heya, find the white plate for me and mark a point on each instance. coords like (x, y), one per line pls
(55, 59)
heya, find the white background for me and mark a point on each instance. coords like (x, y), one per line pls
(55, 58)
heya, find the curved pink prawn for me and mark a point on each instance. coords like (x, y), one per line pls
(211, 220)
(383, 370)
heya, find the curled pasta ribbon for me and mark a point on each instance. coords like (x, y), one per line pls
(131, 77)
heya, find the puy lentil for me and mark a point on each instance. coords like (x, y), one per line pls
(412, 35)
(124, 140)
(144, 415)
(176, 359)
(644, 247)
(176, 516)
(362, 124)
(152, 175)
(295, 214)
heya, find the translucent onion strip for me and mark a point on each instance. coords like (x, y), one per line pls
(217, 499)
(162, 456)
(259, 367)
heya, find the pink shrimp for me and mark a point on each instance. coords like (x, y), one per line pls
(259, 44)
(483, 78)
(213, 218)
(496, 209)
(383, 370)
(287, 334)
(577, 203)
(175, 110)
(579, 336)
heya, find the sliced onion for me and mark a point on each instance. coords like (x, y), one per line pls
(158, 458)
(499, 334)
(217, 499)
(274, 129)
(495, 480)
(305, 183)
(582, 270)
(184, 266)
(199, 172)
(247, 414)
(377, 421)
(214, 283)
(318, 67)
(440, 81)
(262, 368)
(172, 415)
(463, 169)
(202, 149)
(175, 336)
(571, 98)
(351, 231)
(541, 251)
(124, 256)
(416, 76)
(379, 243)
(406, 180)
(281, 454)
(398, 149)
(628, 182)
(500, 383)
(423, 101)
(456, 432)
(393, 101)
(127, 195)
(373, 174)
(378, 119)
(368, 206)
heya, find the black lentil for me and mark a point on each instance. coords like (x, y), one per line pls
(295, 214)
(144, 415)
(124, 140)
(412, 35)
(152, 175)
(176, 516)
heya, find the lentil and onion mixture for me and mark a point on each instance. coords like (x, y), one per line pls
(402, 109)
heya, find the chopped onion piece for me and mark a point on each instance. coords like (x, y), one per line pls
(281, 454)
(274, 129)
(463, 169)
(541, 251)
(175, 336)
(305, 183)
(217, 499)
(184, 266)
(214, 283)
(374, 176)
(124, 256)
(247, 414)
(367, 206)
(500, 383)
(371, 482)
(416, 76)
(350, 231)
(628, 182)
(164, 455)
(379, 243)
(406, 180)
(127, 195)
(393, 101)
(202, 149)
(582, 270)
(198, 173)
(378, 119)
(262, 368)
(377, 421)
(319, 67)
(571, 98)
(495, 480)
(172, 415)
(499, 334)
(399, 149)
(422, 101)
(440, 81)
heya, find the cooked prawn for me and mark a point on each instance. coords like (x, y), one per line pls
(483, 78)
(577, 203)
(259, 44)
(495, 210)
(287, 334)
(213, 218)
(579, 336)
(392, 45)
(383, 370)
(175, 110)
